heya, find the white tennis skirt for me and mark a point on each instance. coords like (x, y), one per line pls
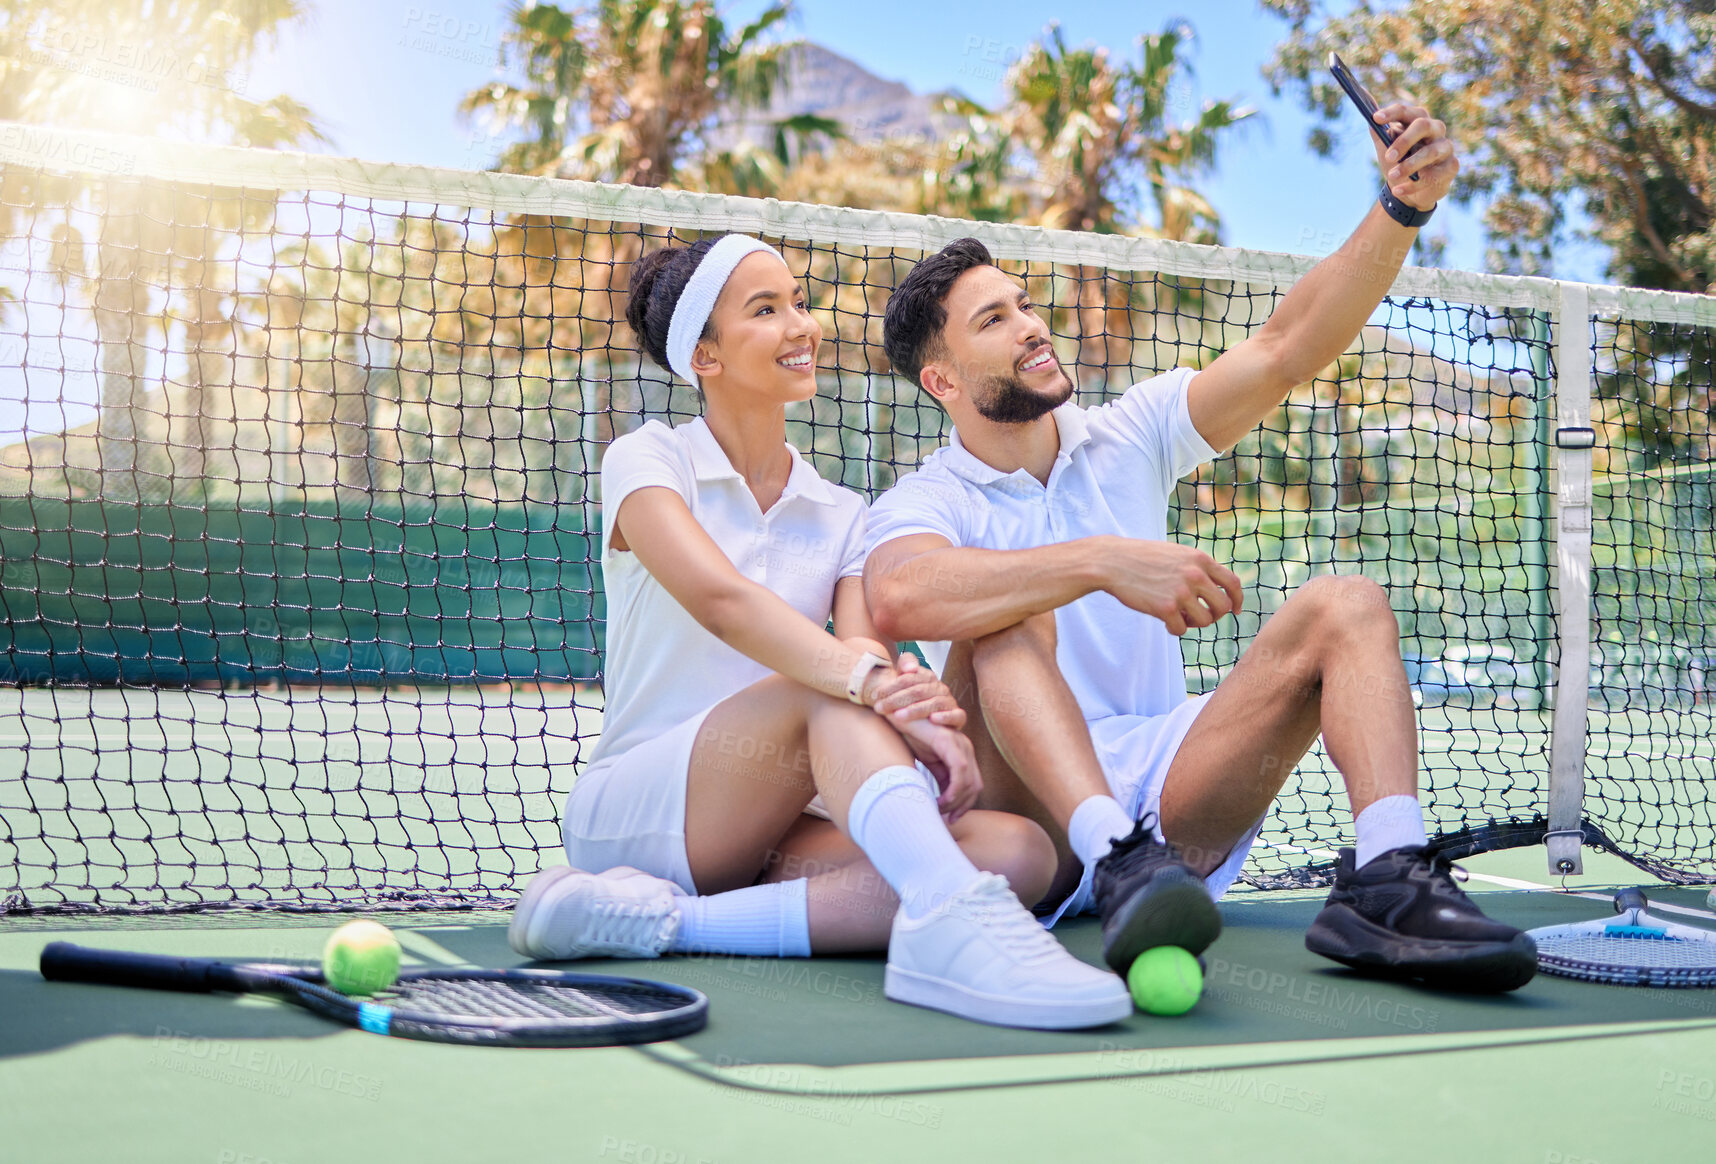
(630, 809)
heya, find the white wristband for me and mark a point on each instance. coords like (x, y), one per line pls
(866, 663)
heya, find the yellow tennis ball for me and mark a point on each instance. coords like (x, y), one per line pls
(1165, 980)
(361, 957)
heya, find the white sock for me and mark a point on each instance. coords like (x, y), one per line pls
(894, 819)
(1096, 823)
(1389, 823)
(772, 921)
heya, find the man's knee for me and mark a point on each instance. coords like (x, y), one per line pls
(1006, 692)
(1337, 604)
(1036, 633)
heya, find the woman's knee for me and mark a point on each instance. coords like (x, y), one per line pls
(837, 713)
(798, 710)
(1014, 846)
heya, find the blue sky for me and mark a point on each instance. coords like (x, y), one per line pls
(386, 78)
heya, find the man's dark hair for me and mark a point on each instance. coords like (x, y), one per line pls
(917, 312)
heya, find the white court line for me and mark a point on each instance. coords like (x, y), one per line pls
(1515, 883)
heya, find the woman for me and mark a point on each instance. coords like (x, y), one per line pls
(730, 707)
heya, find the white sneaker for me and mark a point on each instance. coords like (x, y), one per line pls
(567, 913)
(981, 955)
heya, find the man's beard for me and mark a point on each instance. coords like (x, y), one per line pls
(1006, 400)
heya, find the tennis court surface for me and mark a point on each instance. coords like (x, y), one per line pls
(1286, 1056)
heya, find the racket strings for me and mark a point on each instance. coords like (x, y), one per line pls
(453, 997)
(1644, 950)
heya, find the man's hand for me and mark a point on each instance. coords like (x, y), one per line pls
(1181, 585)
(910, 691)
(947, 754)
(1425, 178)
(1326, 310)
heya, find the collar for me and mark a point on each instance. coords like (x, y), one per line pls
(709, 463)
(1070, 425)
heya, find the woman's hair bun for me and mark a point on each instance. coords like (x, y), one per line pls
(658, 280)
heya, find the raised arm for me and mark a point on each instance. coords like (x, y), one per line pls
(921, 586)
(1324, 312)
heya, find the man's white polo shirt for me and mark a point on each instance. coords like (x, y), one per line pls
(662, 666)
(1114, 474)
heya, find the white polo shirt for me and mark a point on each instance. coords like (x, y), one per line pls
(1114, 474)
(662, 667)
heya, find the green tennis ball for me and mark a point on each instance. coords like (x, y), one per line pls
(1165, 980)
(361, 957)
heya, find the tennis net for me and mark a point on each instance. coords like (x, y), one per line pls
(298, 466)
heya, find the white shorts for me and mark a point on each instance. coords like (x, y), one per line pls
(630, 809)
(1136, 752)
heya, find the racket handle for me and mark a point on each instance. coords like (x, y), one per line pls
(1630, 899)
(65, 962)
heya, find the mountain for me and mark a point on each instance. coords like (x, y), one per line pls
(819, 81)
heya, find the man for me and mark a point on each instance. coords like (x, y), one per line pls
(1031, 558)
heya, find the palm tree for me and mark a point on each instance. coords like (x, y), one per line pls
(1096, 132)
(203, 224)
(625, 90)
(1178, 151)
(432, 359)
(1098, 136)
(334, 319)
(189, 57)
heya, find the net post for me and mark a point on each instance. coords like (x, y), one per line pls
(1574, 438)
(1536, 551)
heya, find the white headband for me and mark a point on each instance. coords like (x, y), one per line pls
(691, 313)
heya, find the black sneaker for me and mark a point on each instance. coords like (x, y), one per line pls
(1149, 897)
(1402, 916)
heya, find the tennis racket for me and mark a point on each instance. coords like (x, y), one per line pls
(1345, 79)
(1634, 949)
(492, 1008)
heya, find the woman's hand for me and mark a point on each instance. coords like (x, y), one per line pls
(947, 753)
(909, 691)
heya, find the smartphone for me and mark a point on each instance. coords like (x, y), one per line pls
(1344, 77)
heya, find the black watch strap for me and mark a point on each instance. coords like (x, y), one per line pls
(1403, 214)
